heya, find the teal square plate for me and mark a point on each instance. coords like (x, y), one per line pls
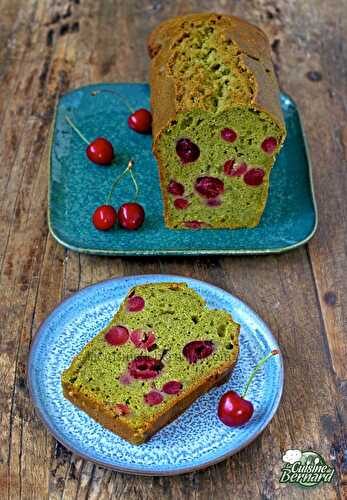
(77, 186)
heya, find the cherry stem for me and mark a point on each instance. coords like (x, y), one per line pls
(115, 182)
(257, 368)
(135, 184)
(78, 132)
(126, 102)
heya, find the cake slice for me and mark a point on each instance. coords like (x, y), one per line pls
(217, 121)
(161, 351)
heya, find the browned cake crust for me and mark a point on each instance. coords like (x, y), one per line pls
(255, 54)
(102, 413)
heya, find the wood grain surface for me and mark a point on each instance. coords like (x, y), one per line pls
(48, 47)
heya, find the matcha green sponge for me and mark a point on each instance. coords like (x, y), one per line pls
(161, 351)
(217, 123)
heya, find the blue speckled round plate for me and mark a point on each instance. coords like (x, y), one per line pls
(197, 438)
(77, 187)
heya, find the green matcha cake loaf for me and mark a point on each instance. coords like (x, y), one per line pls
(161, 351)
(217, 122)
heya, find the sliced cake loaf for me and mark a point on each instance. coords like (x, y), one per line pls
(162, 350)
(217, 122)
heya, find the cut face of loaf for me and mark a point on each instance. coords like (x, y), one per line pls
(217, 123)
(162, 350)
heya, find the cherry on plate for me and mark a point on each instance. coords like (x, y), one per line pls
(131, 216)
(100, 151)
(104, 217)
(233, 410)
(140, 121)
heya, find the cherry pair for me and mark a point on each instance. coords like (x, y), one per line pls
(130, 215)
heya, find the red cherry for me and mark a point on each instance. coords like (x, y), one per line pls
(210, 187)
(197, 349)
(143, 367)
(100, 151)
(233, 170)
(175, 188)
(228, 134)
(172, 387)
(254, 177)
(117, 335)
(126, 379)
(187, 150)
(181, 203)
(229, 167)
(135, 304)
(241, 169)
(141, 339)
(140, 121)
(193, 224)
(131, 216)
(122, 409)
(213, 202)
(104, 217)
(233, 410)
(153, 398)
(269, 145)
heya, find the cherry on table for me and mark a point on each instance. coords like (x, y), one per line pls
(104, 217)
(131, 216)
(100, 151)
(140, 121)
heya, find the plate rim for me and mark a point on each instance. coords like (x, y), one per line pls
(118, 253)
(134, 471)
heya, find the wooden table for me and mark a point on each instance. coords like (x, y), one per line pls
(48, 47)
